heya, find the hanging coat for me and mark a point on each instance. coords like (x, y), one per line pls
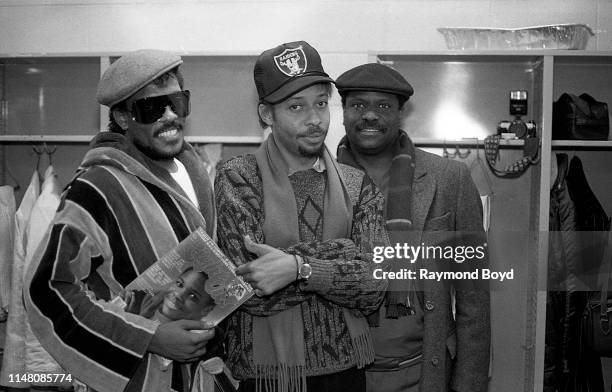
(37, 359)
(7, 225)
(13, 360)
(567, 367)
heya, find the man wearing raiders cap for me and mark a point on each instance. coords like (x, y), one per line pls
(300, 227)
(138, 192)
(420, 345)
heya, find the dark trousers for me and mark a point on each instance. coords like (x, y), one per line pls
(350, 380)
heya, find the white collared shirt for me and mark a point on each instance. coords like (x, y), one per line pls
(318, 166)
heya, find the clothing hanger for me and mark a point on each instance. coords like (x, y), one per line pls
(478, 161)
(445, 152)
(460, 154)
(457, 153)
(49, 152)
(39, 153)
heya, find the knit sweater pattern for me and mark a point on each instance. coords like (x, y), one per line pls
(342, 268)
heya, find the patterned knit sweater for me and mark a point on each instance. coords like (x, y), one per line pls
(342, 268)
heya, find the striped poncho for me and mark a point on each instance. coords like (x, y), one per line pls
(118, 216)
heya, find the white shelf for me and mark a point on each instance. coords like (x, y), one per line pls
(186, 53)
(225, 139)
(582, 143)
(45, 138)
(484, 52)
(426, 142)
(87, 139)
(250, 53)
(421, 142)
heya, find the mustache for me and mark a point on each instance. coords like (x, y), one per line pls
(370, 125)
(313, 131)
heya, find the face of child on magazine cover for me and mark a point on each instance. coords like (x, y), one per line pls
(187, 298)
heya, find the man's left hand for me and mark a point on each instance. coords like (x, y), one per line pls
(271, 271)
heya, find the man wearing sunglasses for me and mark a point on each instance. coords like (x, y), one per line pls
(139, 191)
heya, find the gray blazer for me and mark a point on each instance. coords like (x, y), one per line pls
(455, 352)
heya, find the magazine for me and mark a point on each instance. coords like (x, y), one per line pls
(198, 251)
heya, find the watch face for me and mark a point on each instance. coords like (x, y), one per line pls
(305, 271)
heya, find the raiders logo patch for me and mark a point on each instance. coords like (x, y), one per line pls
(292, 61)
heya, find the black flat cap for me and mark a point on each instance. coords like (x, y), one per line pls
(374, 77)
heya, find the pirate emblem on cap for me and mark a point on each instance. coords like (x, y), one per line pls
(292, 61)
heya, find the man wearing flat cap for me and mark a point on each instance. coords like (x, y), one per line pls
(300, 227)
(138, 192)
(420, 343)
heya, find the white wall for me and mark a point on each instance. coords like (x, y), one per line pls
(343, 31)
(39, 26)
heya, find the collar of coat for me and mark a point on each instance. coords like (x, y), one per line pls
(113, 149)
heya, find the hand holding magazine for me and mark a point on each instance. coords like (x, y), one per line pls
(199, 265)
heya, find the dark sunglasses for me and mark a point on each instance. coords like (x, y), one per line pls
(149, 110)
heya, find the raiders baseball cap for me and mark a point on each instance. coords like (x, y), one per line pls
(374, 77)
(132, 72)
(283, 71)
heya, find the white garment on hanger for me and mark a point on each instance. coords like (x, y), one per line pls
(13, 360)
(7, 227)
(42, 214)
(37, 359)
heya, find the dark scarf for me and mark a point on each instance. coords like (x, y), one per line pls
(398, 213)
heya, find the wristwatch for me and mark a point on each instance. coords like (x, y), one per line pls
(304, 271)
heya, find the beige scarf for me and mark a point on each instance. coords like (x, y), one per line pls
(278, 341)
